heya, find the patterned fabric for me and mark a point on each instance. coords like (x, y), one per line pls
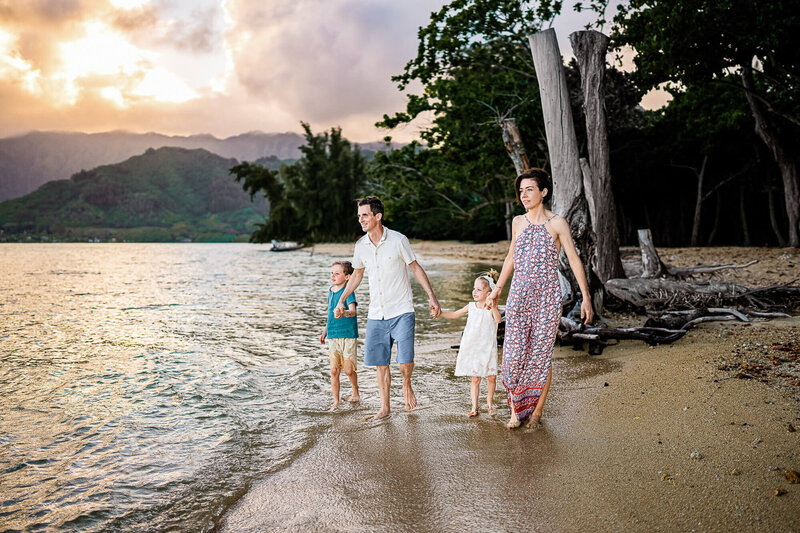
(533, 310)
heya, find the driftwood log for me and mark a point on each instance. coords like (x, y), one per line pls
(664, 329)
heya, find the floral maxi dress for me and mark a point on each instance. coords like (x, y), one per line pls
(533, 310)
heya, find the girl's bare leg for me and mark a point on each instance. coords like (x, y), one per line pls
(491, 382)
(474, 391)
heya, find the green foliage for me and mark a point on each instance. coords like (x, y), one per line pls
(313, 198)
(476, 69)
(700, 41)
(167, 194)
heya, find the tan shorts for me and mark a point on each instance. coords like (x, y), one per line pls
(341, 350)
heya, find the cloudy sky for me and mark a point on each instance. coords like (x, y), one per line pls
(222, 67)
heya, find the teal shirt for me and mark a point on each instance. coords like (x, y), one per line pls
(345, 327)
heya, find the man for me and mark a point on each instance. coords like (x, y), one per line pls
(384, 254)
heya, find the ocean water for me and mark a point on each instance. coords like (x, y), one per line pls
(148, 386)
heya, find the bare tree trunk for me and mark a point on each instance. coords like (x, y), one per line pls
(717, 216)
(652, 267)
(743, 214)
(590, 50)
(568, 196)
(516, 151)
(699, 202)
(785, 160)
(773, 219)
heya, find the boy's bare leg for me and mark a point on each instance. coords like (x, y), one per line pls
(351, 373)
(491, 383)
(408, 393)
(384, 382)
(335, 385)
(536, 416)
(474, 391)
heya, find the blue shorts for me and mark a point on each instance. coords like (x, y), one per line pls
(381, 334)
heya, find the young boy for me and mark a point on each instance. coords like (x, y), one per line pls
(341, 333)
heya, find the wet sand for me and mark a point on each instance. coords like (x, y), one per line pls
(638, 439)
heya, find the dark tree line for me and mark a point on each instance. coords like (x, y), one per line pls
(714, 166)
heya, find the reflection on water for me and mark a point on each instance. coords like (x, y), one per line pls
(146, 386)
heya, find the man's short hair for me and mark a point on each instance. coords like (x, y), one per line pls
(374, 203)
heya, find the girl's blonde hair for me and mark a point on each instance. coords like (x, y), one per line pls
(492, 273)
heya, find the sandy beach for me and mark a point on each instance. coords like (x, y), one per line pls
(700, 435)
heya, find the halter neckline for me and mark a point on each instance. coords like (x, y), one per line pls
(537, 225)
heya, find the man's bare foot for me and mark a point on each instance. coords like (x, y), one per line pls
(534, 420)
(491, 408)
(334, 406)
(354, 398)
(513, 422)
(410, 397)
(383, 413)
(472, 413)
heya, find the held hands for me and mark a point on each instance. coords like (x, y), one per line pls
(491, 300)
(586, 310)
(323, 336)
(436, 309)
(338, 311)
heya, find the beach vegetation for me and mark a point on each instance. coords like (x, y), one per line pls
(312, 199)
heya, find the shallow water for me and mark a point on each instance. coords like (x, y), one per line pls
(147, 386)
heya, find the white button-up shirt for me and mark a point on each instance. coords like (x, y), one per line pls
(385, 264)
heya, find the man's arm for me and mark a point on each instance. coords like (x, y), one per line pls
(422, 278)
(352, 284)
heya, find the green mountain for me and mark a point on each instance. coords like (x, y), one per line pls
(168, 194)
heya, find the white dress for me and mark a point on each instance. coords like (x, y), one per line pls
(477, 355)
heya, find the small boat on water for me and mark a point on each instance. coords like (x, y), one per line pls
(285, 246)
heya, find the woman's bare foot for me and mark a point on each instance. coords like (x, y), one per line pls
(334, 406)
(490, 408)
(383, 413)
(534, 420)
(410, 397)
(472, 413)
(513, 422)
(354, 398)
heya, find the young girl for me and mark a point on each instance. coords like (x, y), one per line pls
(477, 356)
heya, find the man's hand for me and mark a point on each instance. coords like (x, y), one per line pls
(338, 311)
(436, 309)
(323, 336)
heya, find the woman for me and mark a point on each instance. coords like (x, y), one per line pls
(533, 307)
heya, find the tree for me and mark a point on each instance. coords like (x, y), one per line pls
(475, 67)
(312, 199)
(693, 42)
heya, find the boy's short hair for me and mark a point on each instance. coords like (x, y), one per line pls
(347, 266)
(374, 203)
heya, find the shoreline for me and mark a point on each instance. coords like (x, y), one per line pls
(616, 451)
(640, 438)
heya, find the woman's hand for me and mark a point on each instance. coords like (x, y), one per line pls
(491, 300)
(586, 309)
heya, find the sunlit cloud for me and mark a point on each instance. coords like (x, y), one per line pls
(129, 4)
(164, 86)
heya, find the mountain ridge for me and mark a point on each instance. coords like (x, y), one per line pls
(27, 161)
(164, 194)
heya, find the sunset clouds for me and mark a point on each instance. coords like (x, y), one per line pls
(209, 66)
(203, 66)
